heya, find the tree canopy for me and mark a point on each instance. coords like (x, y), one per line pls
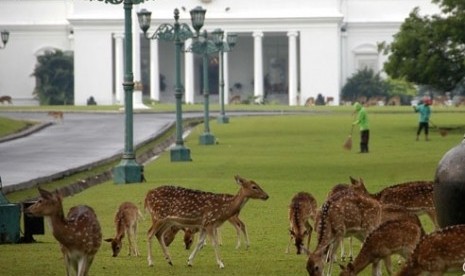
(54, 74)
(430, 50)
(364, 83)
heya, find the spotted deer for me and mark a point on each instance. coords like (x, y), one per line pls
(126, 220)
(416, 196)
(391, 237)
(437, 253)
(344, 214)
(342, 187)
(78, 233)
(182, 207)
(302, 208)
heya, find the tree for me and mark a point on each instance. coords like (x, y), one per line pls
(364, 83)
(54, 74)
(429, 50)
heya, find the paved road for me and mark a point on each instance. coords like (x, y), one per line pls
(81, 139)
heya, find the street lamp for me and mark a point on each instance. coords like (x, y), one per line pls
(223, 46)
(178, 33)
(5, 35)
(205, 47)
(128, 170)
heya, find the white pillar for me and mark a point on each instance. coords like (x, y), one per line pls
(119, 68)
(154, 71)
(293, 67)
(226, 77)
(189, 74)
(258, 66)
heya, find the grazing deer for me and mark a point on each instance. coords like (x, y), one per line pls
(416, 196)
(176, 206)
(6, 99)
(126, 220)
(344, 214)
(437, 253)
(302, 208)
(391, 237)
(79, 233)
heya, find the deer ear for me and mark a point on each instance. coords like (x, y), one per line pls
(353, 180)
(108, 240)
(239, 180)
(44, 193)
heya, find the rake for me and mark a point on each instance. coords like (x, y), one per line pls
(442, 131)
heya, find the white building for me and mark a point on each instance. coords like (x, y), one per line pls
(287, 51)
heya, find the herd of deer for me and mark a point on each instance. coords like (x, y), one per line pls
(386, 223)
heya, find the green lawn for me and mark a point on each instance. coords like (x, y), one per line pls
(285, 154)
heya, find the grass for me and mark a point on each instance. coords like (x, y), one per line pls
(10, 126)
(285, 154)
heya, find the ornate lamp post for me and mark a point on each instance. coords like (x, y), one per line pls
(128, 170)
(223, 46)
(5, 36)
(178, 33)
(205, 47)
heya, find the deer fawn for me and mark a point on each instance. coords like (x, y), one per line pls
(438, 252)
(302, 208)
(416, 196)
(188, 238)
(171, 205)
(126, 220)
(391, 237)
(79, 233)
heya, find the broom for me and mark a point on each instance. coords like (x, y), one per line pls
(442, 131)
(348, 143)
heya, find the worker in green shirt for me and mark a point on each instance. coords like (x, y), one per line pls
(362, 121)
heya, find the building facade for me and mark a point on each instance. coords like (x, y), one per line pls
(287, 52)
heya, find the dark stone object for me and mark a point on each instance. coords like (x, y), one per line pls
(449, 187)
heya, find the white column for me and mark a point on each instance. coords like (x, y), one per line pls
(154, 71)
(293, 67)
(189, 74)
(258, 66)
(119, 68)
(226, 77)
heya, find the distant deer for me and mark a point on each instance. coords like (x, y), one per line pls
(126, 220)
(78, 233)
(391, 237)
(437, 253)
(171, 205)
(302, 208)
(6, 99)
(416, 196)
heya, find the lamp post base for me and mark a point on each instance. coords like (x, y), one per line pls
(207, 139)
(128, 171)
(222, 119)
(180, 153)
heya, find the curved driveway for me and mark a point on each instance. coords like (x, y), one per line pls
(81, 139)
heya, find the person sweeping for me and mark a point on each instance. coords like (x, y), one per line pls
(425, 112)
(362, 121)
